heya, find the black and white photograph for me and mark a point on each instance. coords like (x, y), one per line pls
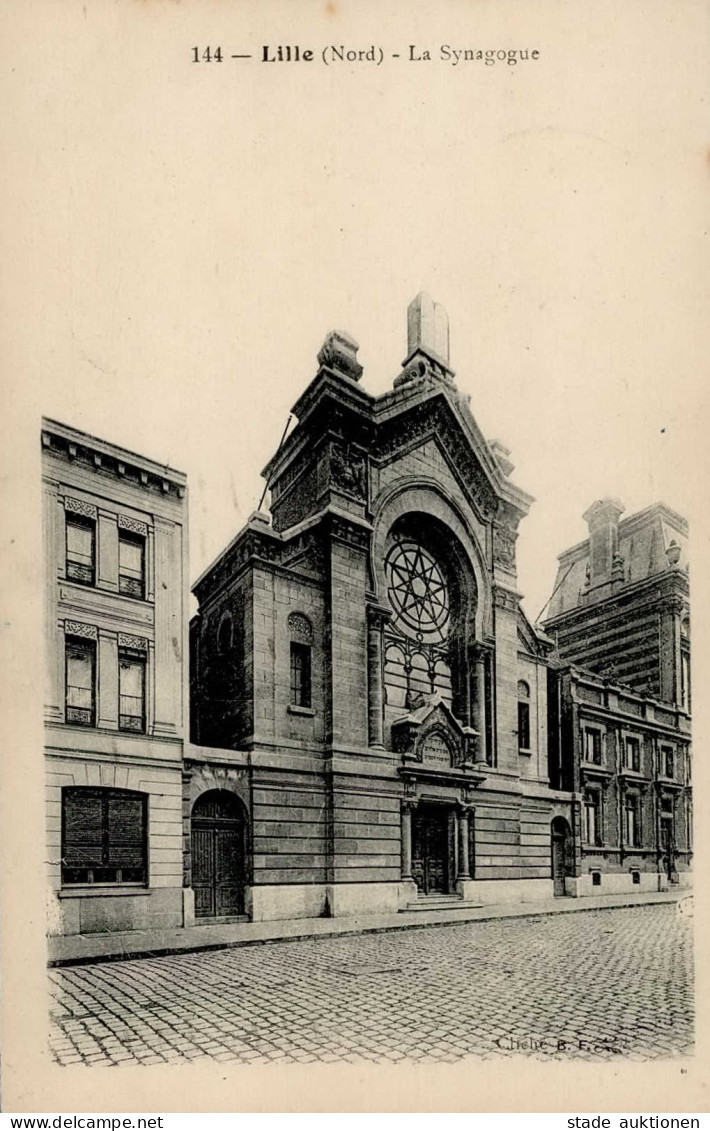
(356, 482)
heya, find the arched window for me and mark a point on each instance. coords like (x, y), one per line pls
(104, 836)
(301, 645)
(523, 716)
(423, 592)
(225, 635)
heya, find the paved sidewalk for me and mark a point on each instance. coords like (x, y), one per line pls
(73, 949)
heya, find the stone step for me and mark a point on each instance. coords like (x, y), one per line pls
(427, 903)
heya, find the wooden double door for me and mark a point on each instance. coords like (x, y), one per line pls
(432, 849)
(218, 855)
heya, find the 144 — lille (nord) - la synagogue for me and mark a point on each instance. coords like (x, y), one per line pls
(375, 725)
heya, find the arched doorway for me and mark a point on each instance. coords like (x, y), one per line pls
(219, 829)
(562, 859)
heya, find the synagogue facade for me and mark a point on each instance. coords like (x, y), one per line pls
(363, 662)
(360, 718)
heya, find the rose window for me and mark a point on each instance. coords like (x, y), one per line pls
(418, 592)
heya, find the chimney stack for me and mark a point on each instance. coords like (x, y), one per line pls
(602, 519)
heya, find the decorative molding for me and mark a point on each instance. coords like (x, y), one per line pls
(78, 628)
(132, 524)
(300, 628)
(504, 599)
(78, 506)
(504, 539)
(125, 640)
(348, 470)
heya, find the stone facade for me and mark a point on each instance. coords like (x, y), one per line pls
(414, 764)
(115, 606)
(620, 699)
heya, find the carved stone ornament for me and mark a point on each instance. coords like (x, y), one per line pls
(339, 352)
(504, 539)
(300, 628)
(126, 640)
(132, 524)
(348, 470)
(78, 628)
(78, 506)
(435, 749)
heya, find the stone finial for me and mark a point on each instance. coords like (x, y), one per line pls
(428, 328)
(339, 353)
(502, 455)
(673, 553)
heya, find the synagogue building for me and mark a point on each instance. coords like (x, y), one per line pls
(365, 720)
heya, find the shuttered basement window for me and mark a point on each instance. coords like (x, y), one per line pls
(103, 836)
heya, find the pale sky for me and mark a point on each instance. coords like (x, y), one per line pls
(187, 234)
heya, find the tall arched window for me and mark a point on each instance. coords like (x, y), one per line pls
(523, 716)
(425, 582)
(301, 645)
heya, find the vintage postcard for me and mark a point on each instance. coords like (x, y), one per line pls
(356, 521)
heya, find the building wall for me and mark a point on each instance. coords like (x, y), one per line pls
(116, 491)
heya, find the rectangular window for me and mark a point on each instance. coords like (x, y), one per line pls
(131, 565)
(300, 675)
(668, 761)
(103, 836)
(81, 682)
(81, 550)
(592, 818)
(593, 747)
(633, 754)
(523, 726)
(632, 831)
(131, 691)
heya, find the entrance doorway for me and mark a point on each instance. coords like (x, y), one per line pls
(562, 865)
(668, 847)
(218, 854)
(430, 849)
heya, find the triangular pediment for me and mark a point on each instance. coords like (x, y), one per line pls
(443, 419)
(430, 733)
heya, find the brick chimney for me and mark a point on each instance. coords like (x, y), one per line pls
(605, 564)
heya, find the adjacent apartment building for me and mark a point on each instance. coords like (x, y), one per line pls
(115, 541)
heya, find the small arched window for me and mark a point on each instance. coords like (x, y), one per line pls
(225, 635)
(523, 717)
(301, 642)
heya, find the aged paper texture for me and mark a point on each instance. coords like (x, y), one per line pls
(180, 232)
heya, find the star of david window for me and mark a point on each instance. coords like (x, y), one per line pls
(418, 592)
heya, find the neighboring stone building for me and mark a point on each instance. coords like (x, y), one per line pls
(115, 601)
(620, 698)
(363, 662)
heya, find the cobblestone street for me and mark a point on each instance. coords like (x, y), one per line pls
(593, 985)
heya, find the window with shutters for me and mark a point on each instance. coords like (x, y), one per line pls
(131, 690)
(632, 825)
(592, 818)
(104, 836)
(131, 565)
(81, 549)
(81, 682)
(632, 759)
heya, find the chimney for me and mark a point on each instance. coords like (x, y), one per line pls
(603, 521)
